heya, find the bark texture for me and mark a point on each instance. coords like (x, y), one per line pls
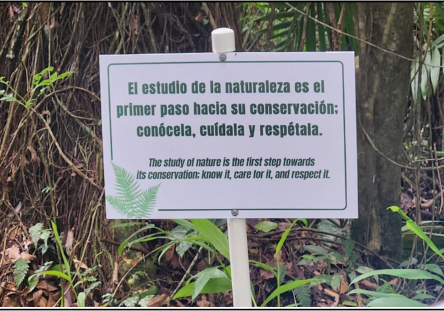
(382, 90)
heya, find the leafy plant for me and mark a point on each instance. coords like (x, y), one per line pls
(280, 272)
(130, 201)
(303, 295)
(40, 86)
(21, 267)
(61, 271)
(417, 230)
(386, 295)
(38, 233)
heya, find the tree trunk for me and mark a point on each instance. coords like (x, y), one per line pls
(382, 92)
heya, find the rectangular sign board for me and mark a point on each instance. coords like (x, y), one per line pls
(248, 135)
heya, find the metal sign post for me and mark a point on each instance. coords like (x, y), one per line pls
(223, 42)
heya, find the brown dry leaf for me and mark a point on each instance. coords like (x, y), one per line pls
(343, 288)
(27, 256)
(53, 298)
(43, 284)
(334, 295)
(265, 274)
(394, 282)
(11, 301)
(80, 264)
(43, 303)
(369, 284)
(169, 253)
(179, 304)
(205, 304)
(158, 301)
(284, 226)
(36, 296)
(13, 253)
(69, 241)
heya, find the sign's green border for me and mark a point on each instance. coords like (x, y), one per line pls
(235, 62)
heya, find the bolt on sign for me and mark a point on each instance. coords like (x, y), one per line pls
(250, 135)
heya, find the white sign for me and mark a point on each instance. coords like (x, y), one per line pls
(254, 135)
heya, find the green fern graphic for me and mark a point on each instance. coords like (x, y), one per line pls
(130, 201)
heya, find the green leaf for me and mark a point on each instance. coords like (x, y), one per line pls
(303, 295)
(91, 287)
(349, 246)
(144, 301)
(128, 239)
(59, 244)
(349, 303)
(398, 302)
(213, 286)
(373, 293)
(184, 223)
(21, 267)
(183, 247)
(81, 298)
(319, 279)
(35, 232)
(336, 281)
(203, 277)
(33, 280)
(423, 296)
(411, 274)
(285, 235)
(130, 301)
(265, 226)
(435, 69)
(44, 235)
(285, 288)
(353, 257)
(417, 230)
(316, 249)
(214, 236)
(434, 268)
(57, 274)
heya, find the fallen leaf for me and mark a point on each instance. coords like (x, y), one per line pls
(205, 304)
(265, 274)
(169, 253)
(36, 296)
(43, 284)
(13, 253)
(27, 256)
(79, 263)
(69, 241)
(53, 298)
(284, 225)
(158, 301)
(344, 285)
(43, 303)
(334, 295)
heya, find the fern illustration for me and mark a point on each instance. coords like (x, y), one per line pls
(130, 201)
